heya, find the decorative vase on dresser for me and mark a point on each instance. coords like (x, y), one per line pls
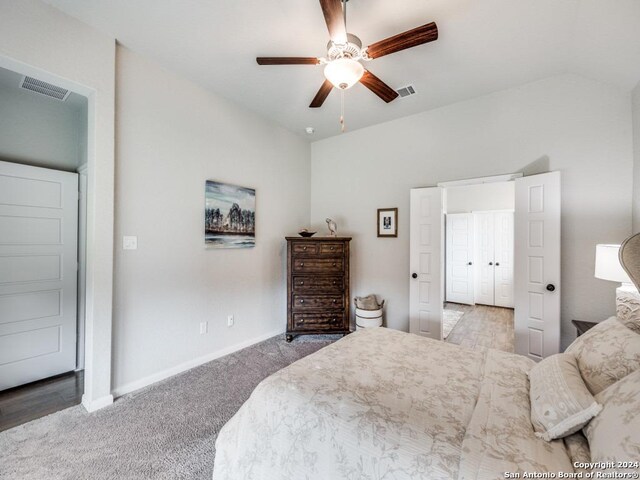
(317, 285)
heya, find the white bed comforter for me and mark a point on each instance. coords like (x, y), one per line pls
(382, 404)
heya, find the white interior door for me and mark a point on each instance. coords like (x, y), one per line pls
(38, 266)
(425, 289)
(459, 258)
(484, 258)
(537, 265)
(503, 248)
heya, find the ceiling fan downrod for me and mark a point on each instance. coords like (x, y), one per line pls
(344, 13)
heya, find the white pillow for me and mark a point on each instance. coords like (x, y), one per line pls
(561, 404)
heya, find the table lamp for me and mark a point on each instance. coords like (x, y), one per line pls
(608, 267)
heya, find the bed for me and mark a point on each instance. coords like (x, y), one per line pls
(385, 404)
(382, 404)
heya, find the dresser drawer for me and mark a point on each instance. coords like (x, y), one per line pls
(311, 302)
(331, 249)
(317, 265)
(318, 321)
(305, 248)
(318, 284)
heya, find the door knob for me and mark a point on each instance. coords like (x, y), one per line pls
(414, 275)
(551, 287)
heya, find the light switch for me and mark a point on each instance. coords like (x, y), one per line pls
(129, 243)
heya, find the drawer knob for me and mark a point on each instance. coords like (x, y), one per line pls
(304, 248)
(302, 301)
(333, 248)
(334, 264)
(334, 282)
(334, 300)
(302, 264)
(334, 320)
(301, 283)
(301, 321)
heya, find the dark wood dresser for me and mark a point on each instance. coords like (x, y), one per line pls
(317, 285)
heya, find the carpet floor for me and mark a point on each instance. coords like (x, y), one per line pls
(165, 431)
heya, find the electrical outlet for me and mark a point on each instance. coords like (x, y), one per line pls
(203, 327)
(230, 321)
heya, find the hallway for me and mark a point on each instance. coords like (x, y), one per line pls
(482, 326)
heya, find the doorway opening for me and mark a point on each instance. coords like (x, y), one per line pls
(478, 258)
(43, 195)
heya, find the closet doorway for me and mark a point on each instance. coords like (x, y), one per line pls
(479, 258)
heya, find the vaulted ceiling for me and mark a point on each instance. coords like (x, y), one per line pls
(483, 46)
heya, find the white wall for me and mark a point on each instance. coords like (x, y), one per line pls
(635, 108)
(171, 137)
(568, 123)
(40, 41)
(481, 197)
(40, 131)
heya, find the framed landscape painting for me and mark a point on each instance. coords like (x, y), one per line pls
(229, 216)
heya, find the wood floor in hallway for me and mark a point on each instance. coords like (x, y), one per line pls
(482, 327)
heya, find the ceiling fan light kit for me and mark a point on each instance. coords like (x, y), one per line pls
(344, 73)
(343, 67)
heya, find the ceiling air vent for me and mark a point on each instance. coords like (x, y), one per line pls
(406, 91)
(44, 88)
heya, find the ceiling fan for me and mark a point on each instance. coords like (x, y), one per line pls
(343, 68)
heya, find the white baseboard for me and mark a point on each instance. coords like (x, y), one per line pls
(170, 372)
(93, 405)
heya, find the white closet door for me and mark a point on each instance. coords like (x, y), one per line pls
(503, 247)
(425, 288)
(459, 255)
(484, 258)
(537, 265)
(38, 268)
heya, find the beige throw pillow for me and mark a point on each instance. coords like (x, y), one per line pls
(606, 353)
(578, 450)
(561, 404)
(614, 435)
(628, 309)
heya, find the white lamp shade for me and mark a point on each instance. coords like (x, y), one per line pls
(344, 73)
(608, 264)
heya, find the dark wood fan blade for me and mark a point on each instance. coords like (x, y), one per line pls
(287, 61)
(322, 94)
(334, 16)
(411, 38)
(377, 86)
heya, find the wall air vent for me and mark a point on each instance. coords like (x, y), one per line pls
(406, 91)
(44, 88)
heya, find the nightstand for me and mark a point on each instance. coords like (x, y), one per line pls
(582, 326)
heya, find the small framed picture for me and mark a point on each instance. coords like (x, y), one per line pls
(387, 222)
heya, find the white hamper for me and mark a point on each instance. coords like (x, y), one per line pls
(368, 312)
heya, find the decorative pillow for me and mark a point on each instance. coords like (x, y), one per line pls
(578, 450)
(561, 404)
(628, 309)
(614, 435)
(606, 353)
